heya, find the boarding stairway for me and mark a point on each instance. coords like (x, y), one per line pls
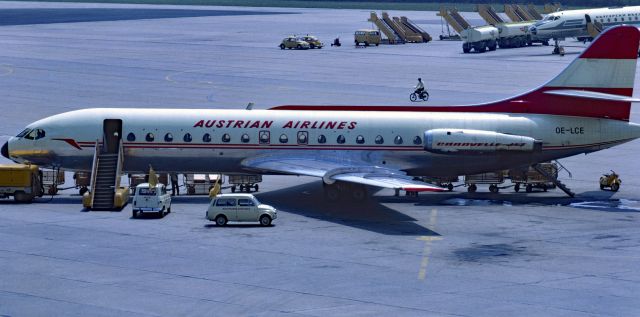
(409, 25)
(516, 13)
(106, 172)
(489, 14)
(385, 28)
(531, 9)
(453, 18)
(553, 179)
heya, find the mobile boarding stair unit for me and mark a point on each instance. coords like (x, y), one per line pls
(106, 171)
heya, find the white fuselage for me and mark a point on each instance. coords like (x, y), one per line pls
(572, 23)
(200, 140)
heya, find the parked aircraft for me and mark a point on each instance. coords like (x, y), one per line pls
(573, 23)
(584, 109)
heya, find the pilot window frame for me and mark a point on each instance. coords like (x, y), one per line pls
(303, 134)
(23, 133)
(150, 137)
(168, 137)
(131, 137)
(264, 137)
(206, 138)
(283, 138)
(226, 138)
(245, 138)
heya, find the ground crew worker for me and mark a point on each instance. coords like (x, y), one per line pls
(215, 190)
(175, 189)
(419, 87)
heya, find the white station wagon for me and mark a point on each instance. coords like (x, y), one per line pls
(151, 199)
(240, 208)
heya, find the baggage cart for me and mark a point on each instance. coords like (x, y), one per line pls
(201, 184)
(492, 178)
(244, 182)
(50, 182)
(531, 178)
(83, 181)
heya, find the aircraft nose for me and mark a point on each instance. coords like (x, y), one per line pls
(5, 150)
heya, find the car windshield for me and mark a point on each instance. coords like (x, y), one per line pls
(147, 191)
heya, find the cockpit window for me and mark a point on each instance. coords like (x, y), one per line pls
(23, 133)
(35, 134)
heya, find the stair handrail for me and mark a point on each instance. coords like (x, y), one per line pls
(94, 172)
(119, 166)
(563, 168)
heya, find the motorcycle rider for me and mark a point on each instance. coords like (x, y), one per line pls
(420, 88)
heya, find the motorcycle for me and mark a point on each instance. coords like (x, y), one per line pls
(414, 96)
(612, 181)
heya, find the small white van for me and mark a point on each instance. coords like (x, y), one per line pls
(151, 199)
(241, 208)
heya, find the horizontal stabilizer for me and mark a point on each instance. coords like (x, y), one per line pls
(591, 95)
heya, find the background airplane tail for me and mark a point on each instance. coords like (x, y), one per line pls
(599, 83)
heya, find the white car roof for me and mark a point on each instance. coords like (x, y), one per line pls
(147, 185)
(235, 196)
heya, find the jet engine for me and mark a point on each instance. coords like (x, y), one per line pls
(455, 141)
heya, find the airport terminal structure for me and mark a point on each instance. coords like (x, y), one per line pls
(491, 251)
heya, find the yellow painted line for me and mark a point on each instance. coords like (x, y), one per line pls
(426, 252)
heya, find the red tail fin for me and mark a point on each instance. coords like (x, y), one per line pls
(598, 84)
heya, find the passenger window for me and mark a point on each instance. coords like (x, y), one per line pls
(226, 202)
(397, 140)
(265, 137)
(284, 138)
(226, 138)
(150, 137)
(341, 139)
(206, 138)
(131, 137)
(245, 138)
(303, 137)
(245, 202)
(360, 139)
(322, 139)
(417, 140)
(379, 139)
(187, 137)
(168, 137)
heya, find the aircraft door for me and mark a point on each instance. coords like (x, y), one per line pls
(112, 129)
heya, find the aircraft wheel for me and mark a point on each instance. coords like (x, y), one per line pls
(134, 214)
(472, 188)
(450, 187)
(529, 188)
(255, 187)
(233, 188)
(493, 188)
(332, 192)
(517, 187)
(358, 192)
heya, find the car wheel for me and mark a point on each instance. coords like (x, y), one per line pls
(517, 187)
(299, 47)
(601, 187)
(83, 190)
(281, 46)
(134, 214)
(169, 210)
(221, 220)
(472, 188)
(233, 189)
(312, 46)
(450, 187)
(529, 188)
(161, 213)
(255, 187)
(265, 220)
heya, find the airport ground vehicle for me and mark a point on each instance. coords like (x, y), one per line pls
(480, 39)
(367, 37)
(612, 181)
(492, 178)
(514, 34)
(23, 182)
(50, 182)
(531, 178)
(201, 184)
(313, 41)
(241, 208)
(244, 182)
(424, 96)
(83, 181)
(151, 199)
(292, 42)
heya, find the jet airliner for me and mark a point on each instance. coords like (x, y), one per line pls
(586, 108)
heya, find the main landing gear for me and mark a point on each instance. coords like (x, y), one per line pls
(340, 190)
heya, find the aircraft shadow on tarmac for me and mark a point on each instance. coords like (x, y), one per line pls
(308, 200)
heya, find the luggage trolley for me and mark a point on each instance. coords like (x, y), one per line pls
(244, 182)
(492, 178)
(533, 179)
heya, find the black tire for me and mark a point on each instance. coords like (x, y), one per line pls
(377, 44)
(601, 187)
(256, 187)
(413, 97)
(529, 188)
(169, 210)
(366, 43)
(358, 193)
(281, 46)
(161, 213)
(482, 49)
(134, 214)
(472, 188)
(312, 46)
(299, 46)
(332, 193)
(22, 197)
(450, 187)
(517, 187)
(493, 188)
(221, 220)
(426, 96)
(265, 220)
(83, 190)
(233, 188)
(615, 187)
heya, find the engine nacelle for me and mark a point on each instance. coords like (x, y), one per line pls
(453, 141)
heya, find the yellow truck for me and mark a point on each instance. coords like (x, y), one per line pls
(367, 37)
(23, 182)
